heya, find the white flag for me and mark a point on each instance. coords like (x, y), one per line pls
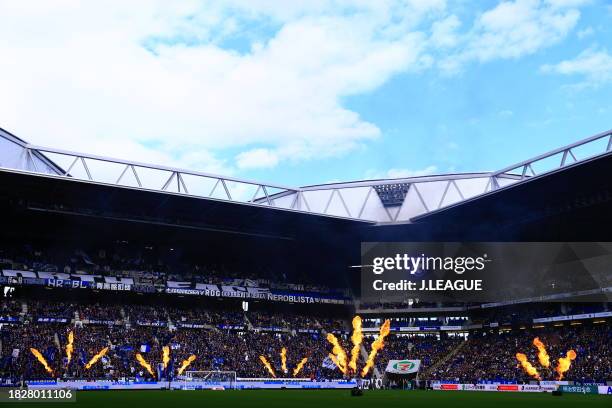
(328, 363)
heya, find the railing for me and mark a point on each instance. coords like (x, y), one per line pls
(355, 200)
(556, 159)
(161, 178)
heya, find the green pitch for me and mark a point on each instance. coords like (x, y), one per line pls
(324, 399)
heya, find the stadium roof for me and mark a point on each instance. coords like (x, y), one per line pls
(14, 154)
(385, 201)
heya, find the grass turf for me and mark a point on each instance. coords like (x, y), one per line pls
(325, 398)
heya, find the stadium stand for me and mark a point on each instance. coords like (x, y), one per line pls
(127, 267)
(222, 340)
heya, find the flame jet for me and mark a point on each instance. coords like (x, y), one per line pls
(165, 356)
(377, 345)
(283, 355)
(69, 347)
(268, 366)
(527, 366)
(357, 339)
(338, 355)
(299, 367)
(42, 360)
(144, 363)
(565, 363)
(542, 353)
(95, 358)
(186, 363)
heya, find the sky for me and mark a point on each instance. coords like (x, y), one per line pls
(308, 92)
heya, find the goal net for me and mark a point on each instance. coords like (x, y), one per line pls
(194, 380)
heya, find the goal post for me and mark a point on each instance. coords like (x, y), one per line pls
(209, 380)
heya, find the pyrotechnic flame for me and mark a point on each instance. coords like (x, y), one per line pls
(356, 338)
(334, 359)
(529, 369)
(267, 364)
(144, 363)
(338, 355)
(542, 354)
(69, 347)
(165, 356)
(299, 367)
(377, 345)
(283, 355)
(42, 360)
(95, 358)
(186, 363)
(565, 363)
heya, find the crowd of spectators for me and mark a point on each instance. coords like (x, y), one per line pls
(147, 315)
(406, 304)
(215, 349)
(224, 340)
(525, 313)
(42, 309)
(149, 265)
(418, 321)
(10, 307)
(492, 355)
(292, 321)
(205, 317)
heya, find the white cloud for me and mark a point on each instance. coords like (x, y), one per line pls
(566, 3)
(586, 32)
(444, 32)
(520, 27)
(513, 29)
(595, 66)
(152, 80)
(257, 158)
(400, 173)
(158, 82)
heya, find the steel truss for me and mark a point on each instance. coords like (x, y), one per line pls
(356, 200)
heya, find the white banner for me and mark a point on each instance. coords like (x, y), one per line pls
(604, 389)
(403, 366)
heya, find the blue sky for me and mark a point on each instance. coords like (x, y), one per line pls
(308, 92)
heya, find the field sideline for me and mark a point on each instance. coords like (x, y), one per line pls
(326, 398)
